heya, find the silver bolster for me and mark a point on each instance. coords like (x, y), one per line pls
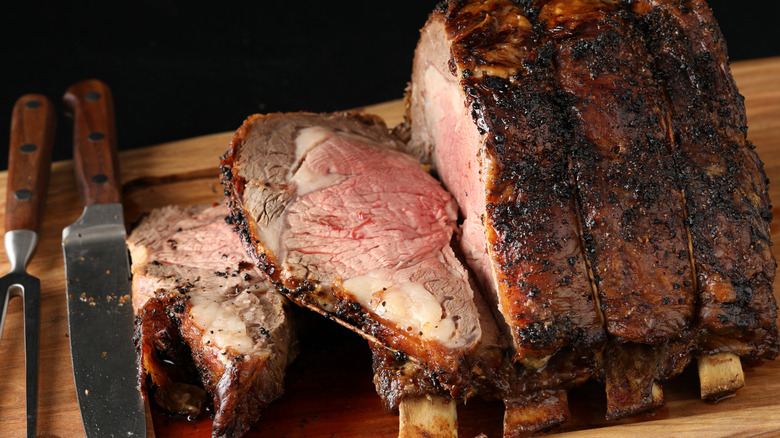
(100, 220)
(19, 246)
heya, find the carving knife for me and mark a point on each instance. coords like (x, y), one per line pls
(29, 161)
(97, 268)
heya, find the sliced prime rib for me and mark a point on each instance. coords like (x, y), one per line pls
(201, 302)
(347, 225)
(725, 186)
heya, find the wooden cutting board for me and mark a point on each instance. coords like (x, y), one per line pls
(329, 388)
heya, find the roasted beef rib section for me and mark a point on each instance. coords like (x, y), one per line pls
(726, 189)
(488, 120)
(203, 305)
(608, 135)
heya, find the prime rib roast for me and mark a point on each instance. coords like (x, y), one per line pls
(203, 306)
(571, 196)
(617, 125)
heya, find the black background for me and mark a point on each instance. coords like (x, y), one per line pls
(183, 69)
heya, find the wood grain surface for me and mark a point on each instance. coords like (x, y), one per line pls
(329, 388)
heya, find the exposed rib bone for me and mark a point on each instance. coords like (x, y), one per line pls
(427, 416)
(720, 375)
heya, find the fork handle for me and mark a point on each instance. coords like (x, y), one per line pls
(29, 161)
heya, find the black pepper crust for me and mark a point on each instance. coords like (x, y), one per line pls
(725, 185)
(533, 230)
(632, 207)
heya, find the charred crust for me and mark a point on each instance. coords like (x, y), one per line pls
(726, 187)
(503, 67)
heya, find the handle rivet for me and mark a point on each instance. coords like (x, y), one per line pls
(99, 178)
(32, 104)
(28, 147)
(92, 96)
(95, 136)
(22, 195)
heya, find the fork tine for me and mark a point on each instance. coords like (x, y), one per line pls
(4, 297)
(32, 316)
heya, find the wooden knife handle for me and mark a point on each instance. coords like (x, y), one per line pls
(29, 162)
(94, 142)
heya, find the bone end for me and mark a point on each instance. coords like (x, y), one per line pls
(720, 375)
(427, 416)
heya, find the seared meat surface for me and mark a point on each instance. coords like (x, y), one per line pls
(632, 207)
(486, 115)
(631, 204)
(199, 300)
(725, 186)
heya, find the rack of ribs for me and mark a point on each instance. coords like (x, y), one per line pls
(726, 189)
(558, 127)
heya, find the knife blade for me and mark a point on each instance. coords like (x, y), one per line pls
(29, 161)
(97, 268)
